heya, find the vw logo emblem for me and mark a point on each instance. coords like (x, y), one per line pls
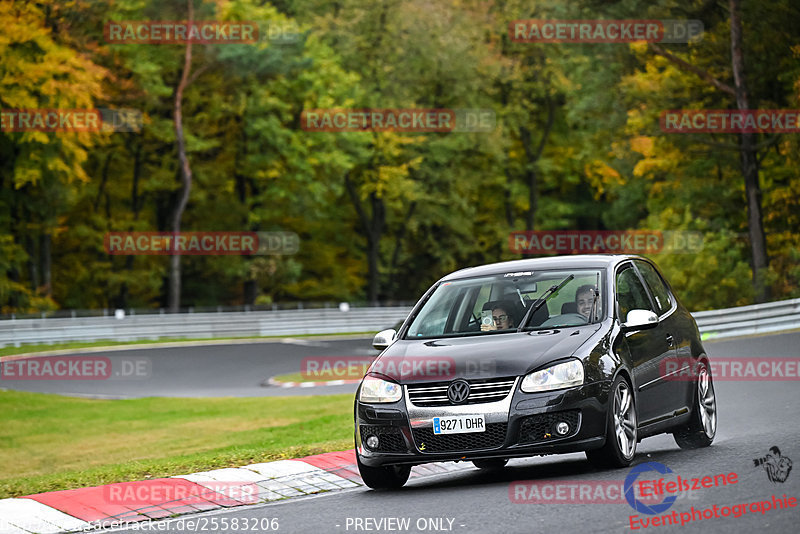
(458, 391)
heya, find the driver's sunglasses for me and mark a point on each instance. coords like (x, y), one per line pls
(498, 318)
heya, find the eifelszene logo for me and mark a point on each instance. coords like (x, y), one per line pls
(638, 505)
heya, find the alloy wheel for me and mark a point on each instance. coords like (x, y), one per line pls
(708, 402)
(624, 420)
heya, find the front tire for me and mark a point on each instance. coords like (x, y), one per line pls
(383, 478)
(702, 426)
(620, 446)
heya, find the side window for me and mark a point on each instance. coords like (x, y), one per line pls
(657, 287)
(437, 311)
(631, 294)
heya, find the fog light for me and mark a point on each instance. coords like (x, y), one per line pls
(372, 442)
(562, 428)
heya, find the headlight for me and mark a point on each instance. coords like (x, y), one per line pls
(562, 375)
(377, 390)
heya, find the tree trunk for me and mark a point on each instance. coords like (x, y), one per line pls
(509, 208)
(250, 287)
(373, 229)
(124, 290)
(103, 180)
(532, 155)
(372, 269)
(373, 242)
(33, 262)
(47, 263)
(533, 198)
(758, 245)
(186, 175)
(398, 244)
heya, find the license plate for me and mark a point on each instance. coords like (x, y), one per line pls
(459, 424)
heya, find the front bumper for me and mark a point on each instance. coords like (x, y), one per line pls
(522, 424)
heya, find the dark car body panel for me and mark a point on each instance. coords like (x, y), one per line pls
(510, 354)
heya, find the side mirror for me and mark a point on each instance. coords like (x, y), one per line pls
(383, 339)
(640, 320)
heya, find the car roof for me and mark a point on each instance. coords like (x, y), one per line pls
(577, 261)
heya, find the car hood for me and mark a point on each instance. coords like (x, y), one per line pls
(475, 357)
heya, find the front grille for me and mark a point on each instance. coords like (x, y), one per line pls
(390, 438)
(435, 394)
(493, 437)
(542, 427)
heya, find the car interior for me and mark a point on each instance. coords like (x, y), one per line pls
(458, 307)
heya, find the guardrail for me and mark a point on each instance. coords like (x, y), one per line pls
(745, 320)
(200, 325)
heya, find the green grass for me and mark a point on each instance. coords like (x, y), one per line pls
(24, 349)
(50, 442)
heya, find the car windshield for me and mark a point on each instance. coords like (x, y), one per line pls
(499, 303)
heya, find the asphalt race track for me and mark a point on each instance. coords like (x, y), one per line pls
(753, 416)
(205, 370)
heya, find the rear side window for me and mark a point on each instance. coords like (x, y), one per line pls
(657, 287)
(631, 294)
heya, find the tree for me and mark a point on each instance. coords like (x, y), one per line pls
(185, 167)
(747, 145)
(40, 171)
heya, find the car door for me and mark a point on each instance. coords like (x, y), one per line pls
(648, 348)
(675, 391)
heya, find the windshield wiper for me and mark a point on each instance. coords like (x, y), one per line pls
(544, 298)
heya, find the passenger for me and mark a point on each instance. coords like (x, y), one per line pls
(584, 299)
(502, 320)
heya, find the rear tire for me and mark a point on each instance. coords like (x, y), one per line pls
(702, 426)
(383, 478)
(620, 446)
(492, 464)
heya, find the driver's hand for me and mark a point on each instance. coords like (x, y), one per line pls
(487, 327)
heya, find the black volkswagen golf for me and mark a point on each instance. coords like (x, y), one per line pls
(532, 357)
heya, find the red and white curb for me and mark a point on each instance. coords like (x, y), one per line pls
(281, 384)
(74, 510)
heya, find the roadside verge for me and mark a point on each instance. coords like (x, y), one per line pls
(113, 505)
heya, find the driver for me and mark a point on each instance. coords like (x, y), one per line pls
(502, 319)
(584, 299)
